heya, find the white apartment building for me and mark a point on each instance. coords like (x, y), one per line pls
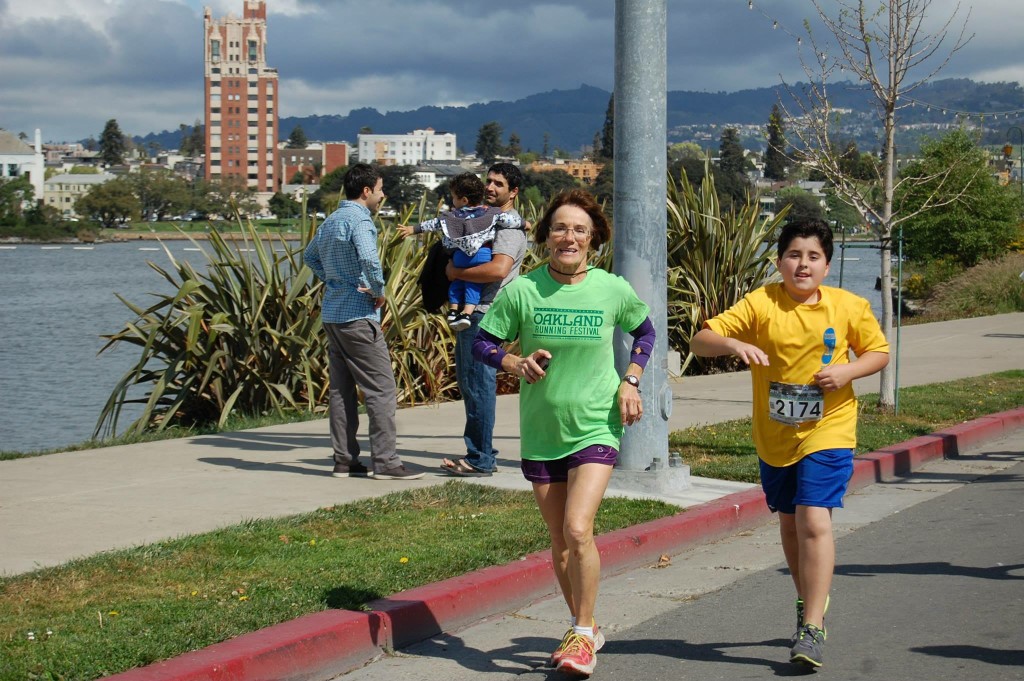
(408, 149)
(18, 158)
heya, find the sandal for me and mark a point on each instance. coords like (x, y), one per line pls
(460, 469)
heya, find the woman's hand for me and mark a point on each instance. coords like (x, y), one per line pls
(631, 407)
(531, 368)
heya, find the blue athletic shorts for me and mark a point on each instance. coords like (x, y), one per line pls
(819, 479)
(546, 472)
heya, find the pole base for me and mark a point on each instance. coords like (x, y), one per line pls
(668, 481)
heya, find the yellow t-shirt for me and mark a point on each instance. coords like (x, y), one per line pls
(792, 416)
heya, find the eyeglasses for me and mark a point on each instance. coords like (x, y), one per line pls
(578, 232)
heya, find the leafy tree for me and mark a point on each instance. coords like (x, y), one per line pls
(113, 144)
(284, 206)
(730, 178)
(160, 192)
(731, 158)
(802, 204)
(775, 157)
(111, 203)
(297, 140)
(857, 165)
(528, 157)
(224, 196)
(14, 193)
(488, 142)
(550, 182)
(515, 145)
(400, 185)
(604, 186)
(979, 224)
(608, 131)
(193, 140)
(885, 46)
(842, 215)
(328, 194)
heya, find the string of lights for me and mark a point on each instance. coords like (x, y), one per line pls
(938, 108)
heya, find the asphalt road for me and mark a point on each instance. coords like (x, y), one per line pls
(929, 586)
(933, 592)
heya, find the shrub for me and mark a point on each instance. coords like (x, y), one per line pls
(993, 287)
(714, 259)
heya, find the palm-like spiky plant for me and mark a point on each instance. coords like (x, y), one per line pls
(714, 259)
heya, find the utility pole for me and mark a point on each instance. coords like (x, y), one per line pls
(640, 221)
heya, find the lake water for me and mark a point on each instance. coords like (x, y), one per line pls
(56, 302)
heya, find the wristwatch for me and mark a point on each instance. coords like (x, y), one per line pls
(632, 380)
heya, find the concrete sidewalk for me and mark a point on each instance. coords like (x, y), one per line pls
(62, 506)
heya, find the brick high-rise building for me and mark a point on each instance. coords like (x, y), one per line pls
(241, 99)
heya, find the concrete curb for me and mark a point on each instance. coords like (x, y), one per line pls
(326, 644)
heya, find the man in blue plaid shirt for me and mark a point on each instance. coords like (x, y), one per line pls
(343, 254)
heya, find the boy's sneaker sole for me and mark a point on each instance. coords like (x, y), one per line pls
(808, 647)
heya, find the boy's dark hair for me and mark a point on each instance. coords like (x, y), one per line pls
(469, 187)
(512, 174)
(358, 176)
(811, 227)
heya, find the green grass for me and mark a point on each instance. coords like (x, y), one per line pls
(725, 450)
(124, 609)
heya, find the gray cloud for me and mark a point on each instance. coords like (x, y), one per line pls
(143, 65)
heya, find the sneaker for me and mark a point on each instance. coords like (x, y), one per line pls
(397, 473)
(578, 656)
(451, 316)
(461, 322)
(556, 656)
(351, 470)
(800, 618)
(808, 647)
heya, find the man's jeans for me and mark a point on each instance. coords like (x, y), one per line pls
(478, 384)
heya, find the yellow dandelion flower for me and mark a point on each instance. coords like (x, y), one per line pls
(403, 559)
(243, 598)
(312, 542)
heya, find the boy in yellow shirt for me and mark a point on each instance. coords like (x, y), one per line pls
(796, 337)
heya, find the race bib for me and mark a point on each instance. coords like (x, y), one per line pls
(795, 404)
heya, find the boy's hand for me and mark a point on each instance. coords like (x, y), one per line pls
(406, 230)
(833, 377)
(750, 354)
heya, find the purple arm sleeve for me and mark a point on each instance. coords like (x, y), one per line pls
(487, 349)
(643, 343)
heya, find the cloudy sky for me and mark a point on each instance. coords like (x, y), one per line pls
(70, 65)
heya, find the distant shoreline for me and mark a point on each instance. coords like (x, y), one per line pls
(135, 236)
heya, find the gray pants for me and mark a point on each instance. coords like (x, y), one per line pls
(357, 355)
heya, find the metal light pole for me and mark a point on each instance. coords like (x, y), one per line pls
(640, 232)
(1020, 148)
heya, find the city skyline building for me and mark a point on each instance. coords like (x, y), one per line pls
(241, 99)
(407, 149)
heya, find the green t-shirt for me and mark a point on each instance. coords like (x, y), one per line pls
(576, 404)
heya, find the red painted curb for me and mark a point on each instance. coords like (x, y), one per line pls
(318, 646)
(418, 614)
(323, 645)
